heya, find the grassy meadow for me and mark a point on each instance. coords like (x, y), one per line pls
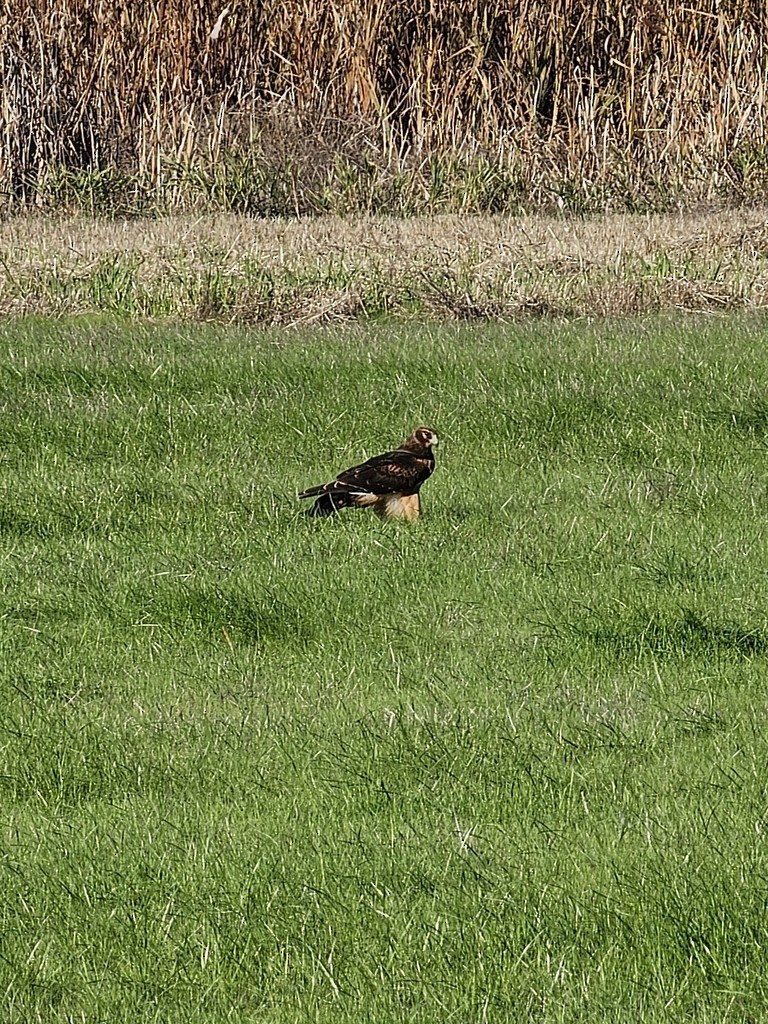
(505, 765)
(508, 764)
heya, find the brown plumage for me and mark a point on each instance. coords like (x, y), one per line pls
(388, 483)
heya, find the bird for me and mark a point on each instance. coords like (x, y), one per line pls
(388, 483)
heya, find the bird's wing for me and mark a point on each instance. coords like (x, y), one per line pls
(399, 472)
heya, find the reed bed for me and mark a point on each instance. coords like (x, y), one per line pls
(297, 106)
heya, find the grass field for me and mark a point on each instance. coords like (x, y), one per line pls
(508, 764)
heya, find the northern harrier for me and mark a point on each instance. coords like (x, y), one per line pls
(388, 483)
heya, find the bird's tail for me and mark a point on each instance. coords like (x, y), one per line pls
(327, 503)
(329, 497)
(310, 492)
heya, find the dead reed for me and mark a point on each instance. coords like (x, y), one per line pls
(283, 106)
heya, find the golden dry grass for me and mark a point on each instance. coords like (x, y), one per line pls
(599, 97)
(298, 271)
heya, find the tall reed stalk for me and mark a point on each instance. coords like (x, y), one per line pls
(582, 94)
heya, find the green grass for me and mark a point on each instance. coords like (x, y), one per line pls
(508, 764)
(263, 183)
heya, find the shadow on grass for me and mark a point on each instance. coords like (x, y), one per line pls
(752, 420)
(556, 423)
(14, 523)
(82, 515)
(687, 634)
(238, 617)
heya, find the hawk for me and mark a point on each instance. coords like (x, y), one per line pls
(388, 483)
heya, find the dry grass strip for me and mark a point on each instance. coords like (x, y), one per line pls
(235, 268)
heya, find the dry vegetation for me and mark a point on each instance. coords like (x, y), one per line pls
(289, 107)
(326, 269)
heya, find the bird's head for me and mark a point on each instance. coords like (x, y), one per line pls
(424, 437)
